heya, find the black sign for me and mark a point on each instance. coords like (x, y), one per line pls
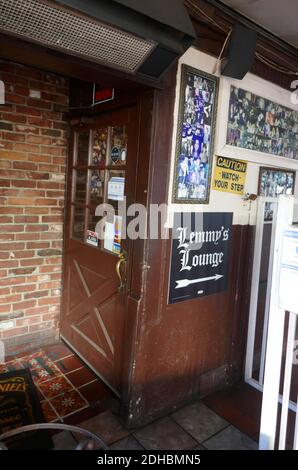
(200, 254)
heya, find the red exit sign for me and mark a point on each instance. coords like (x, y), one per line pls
(100, 95)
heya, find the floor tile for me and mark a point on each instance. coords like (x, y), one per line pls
(56, 386)
(64, 441)
(69, 364)
(48, 412)
(41, 367)
(68, 402)
(128, 443)
(164, 434)
(81, 377)
(95, 392)
(107, 426)
(230, 439)
(82, 415)
(199, 421)
(247, 424)
(57, 351)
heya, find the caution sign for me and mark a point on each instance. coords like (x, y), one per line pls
(229, 175)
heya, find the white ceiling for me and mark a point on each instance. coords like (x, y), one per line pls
(280, 17)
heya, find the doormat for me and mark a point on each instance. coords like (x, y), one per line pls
(19, 406)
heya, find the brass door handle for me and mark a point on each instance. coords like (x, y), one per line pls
(121, 273)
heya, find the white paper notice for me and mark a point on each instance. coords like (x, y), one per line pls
(116, 188)
(288, 282)
(109, 236)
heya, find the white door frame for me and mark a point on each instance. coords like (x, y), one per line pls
(259, 384)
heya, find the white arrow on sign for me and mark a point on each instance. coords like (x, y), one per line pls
(187, 282)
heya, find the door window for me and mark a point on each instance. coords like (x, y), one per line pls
(98, 177)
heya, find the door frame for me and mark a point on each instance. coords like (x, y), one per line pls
(144, 104)
(253, 306)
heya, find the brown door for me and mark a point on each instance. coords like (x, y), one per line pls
(103, 160)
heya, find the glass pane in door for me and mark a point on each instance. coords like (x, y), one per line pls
(118, 147)
(82, 148)
(99, 146)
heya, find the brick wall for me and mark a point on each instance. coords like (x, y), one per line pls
(33, 151)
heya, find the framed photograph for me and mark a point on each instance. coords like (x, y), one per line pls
(258, 123)
(195, 136)
(272, 183)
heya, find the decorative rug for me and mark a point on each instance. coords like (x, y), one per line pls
(58, 397)
(19, 406)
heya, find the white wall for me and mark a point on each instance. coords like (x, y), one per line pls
(244, 211)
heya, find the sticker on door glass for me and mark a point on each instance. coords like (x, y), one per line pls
(116, 188)
(96, 185)
(112, 235)
(118, 147)
(99, 146)
(92, 238)
(116, 155)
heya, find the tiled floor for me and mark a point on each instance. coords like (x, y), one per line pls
(68, 391)
(71, 394)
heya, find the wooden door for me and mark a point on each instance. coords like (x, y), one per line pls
(103, 159)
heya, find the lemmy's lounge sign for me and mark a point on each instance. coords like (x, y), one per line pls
(200, 254)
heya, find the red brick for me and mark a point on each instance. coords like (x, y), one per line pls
(11, 298)
(25, 219)
(6, 220)
(24, 254)
(37, 245)
(9, 264)
(39, 158)
(7, 237)
(4, 183)
(40, 326)
(12, 136)
(36, 311)
(27, 147)
(46, 202)
(36, 210)
(28, 236)
(29, 320)
(11, 210)
(14, 118)
(27, 110)
(36, 139)
(32, 262)
(22, 271)
(12, 246)
(4, 291)
(11, 98)
(37, 103)
(5, 308)
(24, 184)
(4, 164)
(22, 201)
(15, 331)
(23, 305)
(21, 90)
(12, 281)
(24, 166)
(37, 228)
(8, 192)
(40, 122)
(23, 288)
(12, 228)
